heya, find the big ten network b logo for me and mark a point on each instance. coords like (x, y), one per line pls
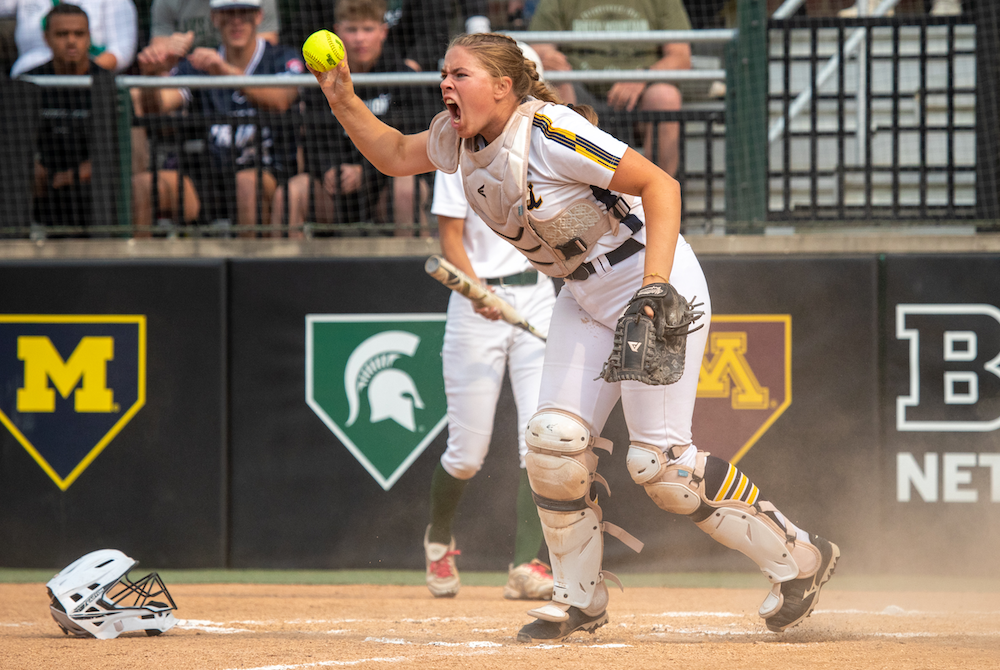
(954, 368)
(69, 384)
(376, 381)
(953, 356)
(745, 382)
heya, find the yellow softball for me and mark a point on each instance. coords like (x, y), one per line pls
(323, 50)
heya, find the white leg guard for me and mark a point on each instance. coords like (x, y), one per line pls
(561, 466)
(576, 548)
(724, 503)
(746, 532)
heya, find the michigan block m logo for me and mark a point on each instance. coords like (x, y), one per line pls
(69, 384)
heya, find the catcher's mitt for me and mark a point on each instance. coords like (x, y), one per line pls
(651, 350)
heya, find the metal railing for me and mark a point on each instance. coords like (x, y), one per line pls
(702, 174)
(907, 151)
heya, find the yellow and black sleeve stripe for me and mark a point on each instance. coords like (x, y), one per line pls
(571, 141)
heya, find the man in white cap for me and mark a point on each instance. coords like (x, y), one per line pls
(242, 52)
(178, 26)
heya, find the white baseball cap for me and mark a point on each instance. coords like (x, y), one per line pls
(234, 4)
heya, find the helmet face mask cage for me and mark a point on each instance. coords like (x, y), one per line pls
(128, 594)
(93, 596)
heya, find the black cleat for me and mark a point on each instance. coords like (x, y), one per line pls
(800, 596)
(540, 630)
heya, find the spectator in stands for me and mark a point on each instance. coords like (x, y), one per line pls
(345, 187)
(113, 32)
(242, 52)
(63, 169)
(420, 29)
(178, 26)
(519, 13)
(606, 99)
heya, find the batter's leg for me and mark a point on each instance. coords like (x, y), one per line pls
(474, 359)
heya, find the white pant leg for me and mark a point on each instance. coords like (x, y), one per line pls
(474, 359)
(661, 415)
(577, 348)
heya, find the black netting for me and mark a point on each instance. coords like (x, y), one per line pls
(899, 126)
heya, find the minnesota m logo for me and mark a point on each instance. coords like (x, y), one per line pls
(726, 373)
(745, 382)
(69, 384)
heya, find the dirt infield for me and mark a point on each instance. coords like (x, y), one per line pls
(281, 627)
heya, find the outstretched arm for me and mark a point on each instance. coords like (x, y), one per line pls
(390, 151)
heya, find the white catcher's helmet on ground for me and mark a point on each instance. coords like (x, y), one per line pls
(93, 596)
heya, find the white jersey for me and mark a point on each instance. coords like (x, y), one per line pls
(569, 160)
(490, 255)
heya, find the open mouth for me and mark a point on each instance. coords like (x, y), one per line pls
(454, 110)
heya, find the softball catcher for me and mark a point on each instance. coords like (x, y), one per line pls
(571, 224)
(582, 205)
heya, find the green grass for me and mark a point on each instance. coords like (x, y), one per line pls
(719, 580)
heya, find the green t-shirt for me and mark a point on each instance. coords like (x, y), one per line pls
(601, 15)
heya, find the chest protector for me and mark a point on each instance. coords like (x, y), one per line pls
(495, 180)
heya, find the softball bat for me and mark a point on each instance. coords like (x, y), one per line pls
(458, 281)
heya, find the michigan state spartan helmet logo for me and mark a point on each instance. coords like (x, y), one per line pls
(375, 380)
(391, 392)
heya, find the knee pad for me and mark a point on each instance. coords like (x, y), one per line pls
(561, 462)
(674, 488)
